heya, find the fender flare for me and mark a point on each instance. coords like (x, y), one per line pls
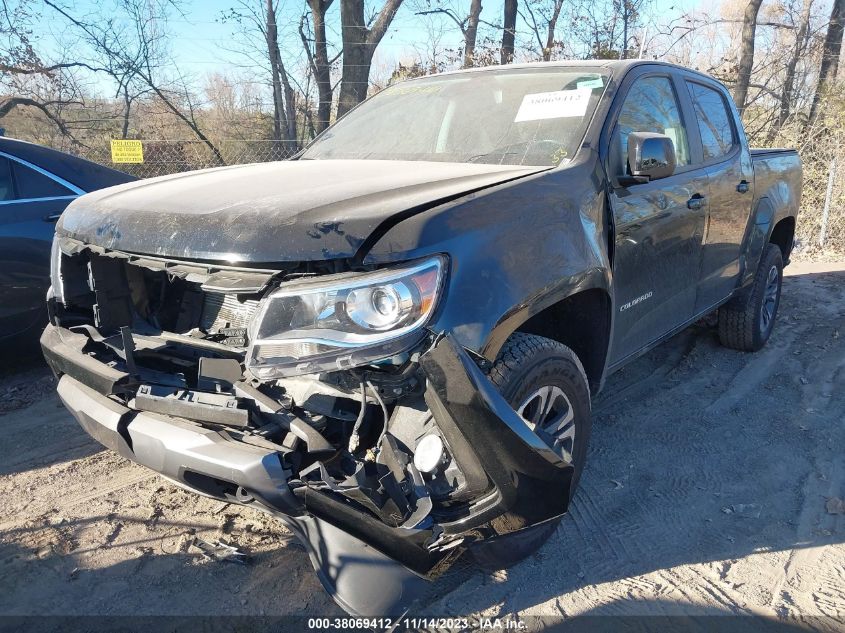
(757, 236)
(591, 279)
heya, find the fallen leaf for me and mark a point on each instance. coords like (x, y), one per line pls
(835, 505)
(747, 510)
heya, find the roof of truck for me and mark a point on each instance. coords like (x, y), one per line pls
(616, 66)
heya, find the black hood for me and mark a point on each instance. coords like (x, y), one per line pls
(271, 212)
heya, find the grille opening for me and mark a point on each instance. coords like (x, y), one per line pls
(110, 293)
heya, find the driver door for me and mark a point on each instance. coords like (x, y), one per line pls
(659, 224)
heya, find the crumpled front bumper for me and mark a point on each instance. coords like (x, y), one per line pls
(367, 566)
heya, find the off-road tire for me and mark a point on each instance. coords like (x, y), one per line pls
(525, 363)
(741, 320)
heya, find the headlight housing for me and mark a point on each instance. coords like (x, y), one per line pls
(342, 321)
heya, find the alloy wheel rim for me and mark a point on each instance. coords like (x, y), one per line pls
(770, 297)
(548, 412)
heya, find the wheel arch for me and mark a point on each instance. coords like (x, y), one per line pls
(581, 321)
(783, 235)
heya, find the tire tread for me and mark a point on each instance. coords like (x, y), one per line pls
(521, 346)
(738, 319)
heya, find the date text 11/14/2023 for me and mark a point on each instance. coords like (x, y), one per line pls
(417, 623)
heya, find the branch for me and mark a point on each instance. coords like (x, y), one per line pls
(13, 102)
(306, 45)
(385, 17)
(448, 12)
(46, 70)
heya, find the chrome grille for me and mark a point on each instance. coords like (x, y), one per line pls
(225, 311)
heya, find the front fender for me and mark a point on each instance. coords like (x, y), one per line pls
(514, 250)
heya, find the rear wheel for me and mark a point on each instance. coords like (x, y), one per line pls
(545, 383)
(746, 323)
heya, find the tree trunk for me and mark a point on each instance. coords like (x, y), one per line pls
(356, 57)
(281, 129)
(746, 53)
(322, 67)
(789, 73)
(830, 56)
(509, 31)
(625, 17)
(290, 107)
(550, 34)
(127, 106)
(359, 44)
(471, 33)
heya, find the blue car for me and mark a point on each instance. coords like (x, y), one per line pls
(36, 184)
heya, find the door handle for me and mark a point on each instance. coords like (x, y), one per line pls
(696, 202)
(742, 187)
(52, 218)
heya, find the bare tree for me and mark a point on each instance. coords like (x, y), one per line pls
(544, 26)
(259, 18)
(830, 56)
(139, 55)
(509, 30)
(471, 33)
(284, 99)
(359, 44)
(467, 24)
(318, 59)
(746, 53)
(798, 51)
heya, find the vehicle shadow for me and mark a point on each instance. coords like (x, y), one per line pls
(701, 457)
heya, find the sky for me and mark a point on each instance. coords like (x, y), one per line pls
(204, 44)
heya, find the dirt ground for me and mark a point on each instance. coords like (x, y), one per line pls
(711, 487)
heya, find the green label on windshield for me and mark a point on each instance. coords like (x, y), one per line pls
(595, 82)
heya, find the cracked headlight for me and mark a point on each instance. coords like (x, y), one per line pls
(341, 321)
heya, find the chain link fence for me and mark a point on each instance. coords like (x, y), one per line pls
(821, 224)
(820, 233)
(162, 157)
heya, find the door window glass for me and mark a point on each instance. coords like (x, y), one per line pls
(714, 121)
(651, 106)
(7, 189)
(32, 184)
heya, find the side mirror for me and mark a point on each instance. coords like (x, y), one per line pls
(650, 156)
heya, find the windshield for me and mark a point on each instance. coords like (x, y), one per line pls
(503, 117)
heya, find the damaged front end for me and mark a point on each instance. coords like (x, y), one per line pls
(324, 396)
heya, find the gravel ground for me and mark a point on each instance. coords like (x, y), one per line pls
(713, 486)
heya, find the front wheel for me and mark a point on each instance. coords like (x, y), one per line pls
(746, 323)
(545, 383)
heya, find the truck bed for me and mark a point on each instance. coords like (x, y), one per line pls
(778, 176)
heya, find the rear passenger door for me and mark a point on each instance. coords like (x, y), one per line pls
(31, 200)
(727, 160)
(658, 225)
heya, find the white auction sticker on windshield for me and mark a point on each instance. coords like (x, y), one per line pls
(554, 105)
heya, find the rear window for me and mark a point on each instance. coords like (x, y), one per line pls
(714, 121)
(32, 184)
(7, 189)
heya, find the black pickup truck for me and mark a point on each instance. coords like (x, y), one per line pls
(391, 341)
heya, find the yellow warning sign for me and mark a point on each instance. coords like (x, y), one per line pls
(123, 151)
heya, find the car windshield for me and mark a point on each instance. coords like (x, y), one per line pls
(502, 117)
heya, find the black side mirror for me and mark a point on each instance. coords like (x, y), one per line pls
(650, 156)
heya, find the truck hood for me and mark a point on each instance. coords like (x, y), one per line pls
(271, 212)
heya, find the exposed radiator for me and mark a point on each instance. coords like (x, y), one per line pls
(225, 311)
